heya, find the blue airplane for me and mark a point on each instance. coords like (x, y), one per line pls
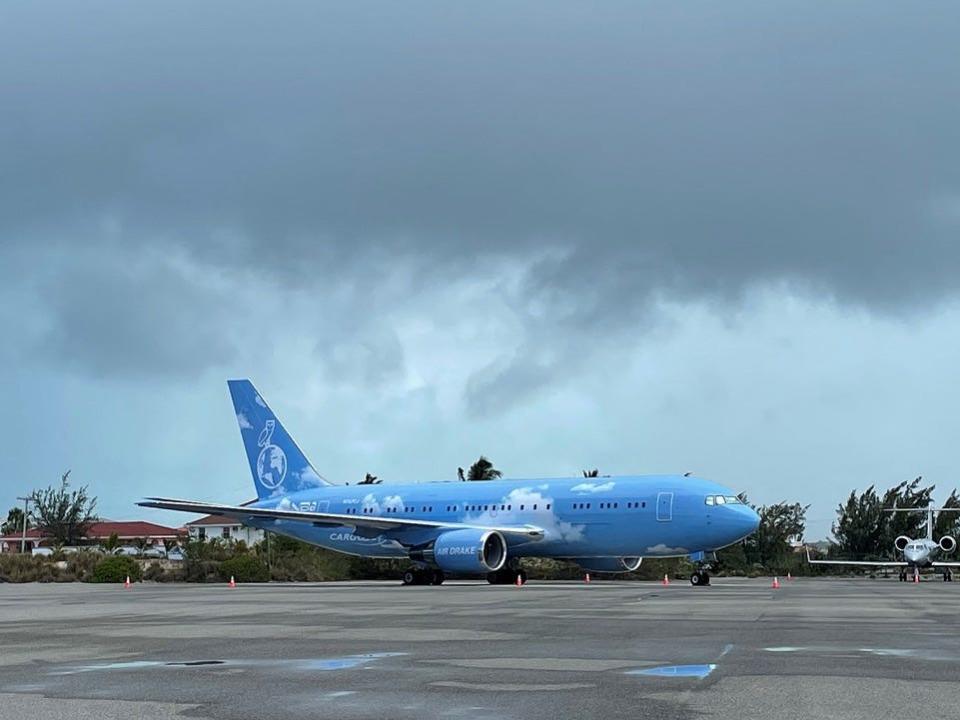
(603, 524)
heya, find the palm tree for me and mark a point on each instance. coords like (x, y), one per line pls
(14, 522)
(141, 544)
(483, 469)
(111, 544)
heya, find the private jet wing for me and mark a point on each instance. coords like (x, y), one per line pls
(377, 524)
(859, 563)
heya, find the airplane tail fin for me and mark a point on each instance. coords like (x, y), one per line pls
(278, 466)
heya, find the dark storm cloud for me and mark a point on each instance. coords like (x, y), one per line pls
(122, 318)
(683, 151)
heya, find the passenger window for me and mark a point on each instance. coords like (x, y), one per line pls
(534, 506)
(615, 504)
(588, 506)
(521, 507)
(548, 506)
(509, 508)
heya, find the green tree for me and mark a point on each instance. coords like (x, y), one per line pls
(908, 494)
(170, 543)
(483, 469)
(63, 514)
(864, 529)
(779, 523)
(14, 522)
(948, 523)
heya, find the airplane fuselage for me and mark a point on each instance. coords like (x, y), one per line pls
(642, 516)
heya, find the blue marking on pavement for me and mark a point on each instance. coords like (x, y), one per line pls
(695, 671)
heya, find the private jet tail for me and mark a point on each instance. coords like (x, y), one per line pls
(278, 466)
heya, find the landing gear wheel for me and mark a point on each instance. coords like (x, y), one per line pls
(506, 576)
(410, 577)
(437, 578)
(700, 577)
(903, 576)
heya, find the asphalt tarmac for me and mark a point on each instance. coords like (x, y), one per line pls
(737, 649)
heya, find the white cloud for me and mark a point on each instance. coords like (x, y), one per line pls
(593, 487)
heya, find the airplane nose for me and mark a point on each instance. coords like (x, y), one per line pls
(750, 519)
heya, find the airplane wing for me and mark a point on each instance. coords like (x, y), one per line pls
(937, 563)
(323, 519)
(858, 563)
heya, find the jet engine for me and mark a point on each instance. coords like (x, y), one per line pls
(901, 542)
(469, 551)
(609, 564)
(948, 544)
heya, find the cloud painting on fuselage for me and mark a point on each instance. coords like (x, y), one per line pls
(606, 523)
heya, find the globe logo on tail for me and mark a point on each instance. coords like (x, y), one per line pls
(272, 461)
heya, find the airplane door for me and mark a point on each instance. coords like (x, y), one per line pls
(665, 506)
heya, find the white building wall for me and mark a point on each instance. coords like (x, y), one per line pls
(249, 535)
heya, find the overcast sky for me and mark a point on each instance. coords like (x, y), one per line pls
(643, 237)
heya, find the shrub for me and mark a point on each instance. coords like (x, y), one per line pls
(16, 567)
(82, 564)
(115, 570)
(244, 568)
(201, 571)
(155, 572)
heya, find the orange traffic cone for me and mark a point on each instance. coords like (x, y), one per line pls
(519, 581)
(586, 578)
(666, 579)
(232, 583)
(916, 576)
(126, 583)
(776, 583)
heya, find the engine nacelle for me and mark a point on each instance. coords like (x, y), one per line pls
(610, 565)
(469, 551)
(948, 544)
(901, 542)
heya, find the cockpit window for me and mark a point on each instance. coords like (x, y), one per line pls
(722, 500)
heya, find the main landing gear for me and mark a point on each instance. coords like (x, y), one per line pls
(947, 575)
(700, 577)
(423, 576)
(507, 576)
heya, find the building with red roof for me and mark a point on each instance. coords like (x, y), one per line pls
(126, 530)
